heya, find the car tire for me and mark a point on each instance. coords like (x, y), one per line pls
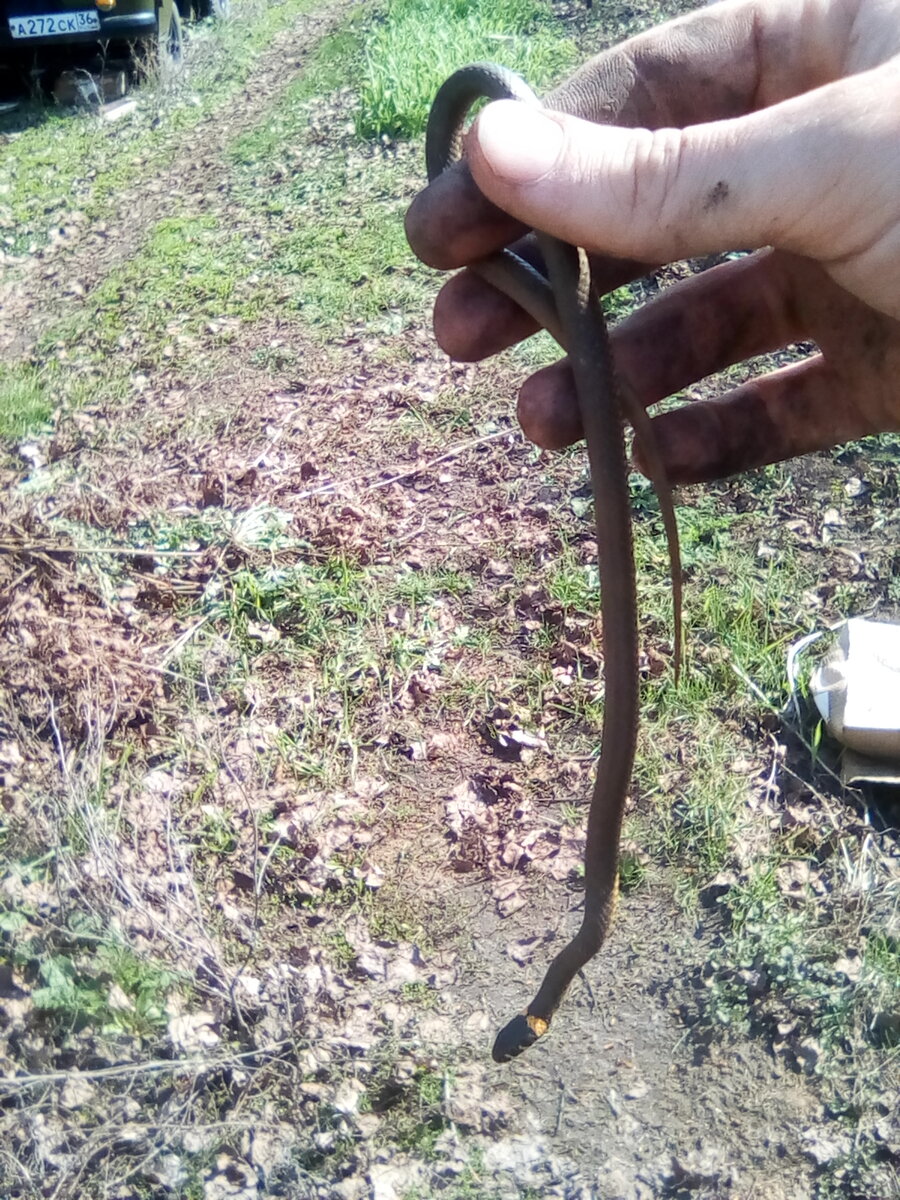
(218, 9)
(161, 54)
(170, 40)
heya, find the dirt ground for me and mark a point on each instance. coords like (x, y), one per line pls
(340, 1053)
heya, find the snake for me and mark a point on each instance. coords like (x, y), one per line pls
(565, 302)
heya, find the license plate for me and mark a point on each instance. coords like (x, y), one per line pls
(54, 24)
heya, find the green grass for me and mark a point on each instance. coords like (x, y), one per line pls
(335, 250)
(399, 81)
(26, 401)
(408, 1096)
(186, 288)
(353, 638)
(797, 945)
(186, 292)
(350, 265)
(324, 244)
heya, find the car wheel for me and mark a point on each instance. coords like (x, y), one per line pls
(161, 54)
(170, 38)
(218, 9)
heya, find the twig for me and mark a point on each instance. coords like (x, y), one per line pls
(490, 437)
(126, 551)
(453, 452)
(265, 865)
(182, 640)
(17, 583)
(152, 1066)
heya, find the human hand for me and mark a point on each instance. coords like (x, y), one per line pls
(751, 123)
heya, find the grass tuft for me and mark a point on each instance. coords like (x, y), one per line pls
(25, 402)
(400, 81)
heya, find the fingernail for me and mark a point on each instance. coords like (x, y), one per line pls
(520, 144)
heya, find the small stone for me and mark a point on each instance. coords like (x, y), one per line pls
(199, 1141)
(368, 1125)
(352, 1188)
(77, 1093)
(168, 1172)
(522, 951)
(395, 1179)
(637, 1090)
(520, 1156)
(118, 1000)
(850, 964)
(372, 962)
(754, 980)
(465, 1094)
(347, 1097)
(808, 1055)
(232, 1180)
(720, 885)
(161, 783)
(268, 1149)
(193, 1033)
(824, 1150)
(888, 1133)
(700, 1168)
(617, 1182)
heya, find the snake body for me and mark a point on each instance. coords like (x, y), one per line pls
(565, 303)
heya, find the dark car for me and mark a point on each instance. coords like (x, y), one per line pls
(61, 32)
(40, 39)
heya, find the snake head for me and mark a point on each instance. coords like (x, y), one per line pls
(517, 1035)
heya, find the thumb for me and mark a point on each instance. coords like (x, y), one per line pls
(782, 176)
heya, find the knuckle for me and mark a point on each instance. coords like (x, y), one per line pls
(655, 196)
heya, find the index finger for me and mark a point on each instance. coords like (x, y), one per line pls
(716, 63)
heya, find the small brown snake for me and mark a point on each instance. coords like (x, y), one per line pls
(565, 303)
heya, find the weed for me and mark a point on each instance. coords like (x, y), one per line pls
(632, 870)
(217, 835)
(114, 991)
(409, 1096)
(420, 994)
(575, 585)
(571, 815)
(340, 949)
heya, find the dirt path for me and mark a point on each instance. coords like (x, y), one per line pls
(57, 278)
